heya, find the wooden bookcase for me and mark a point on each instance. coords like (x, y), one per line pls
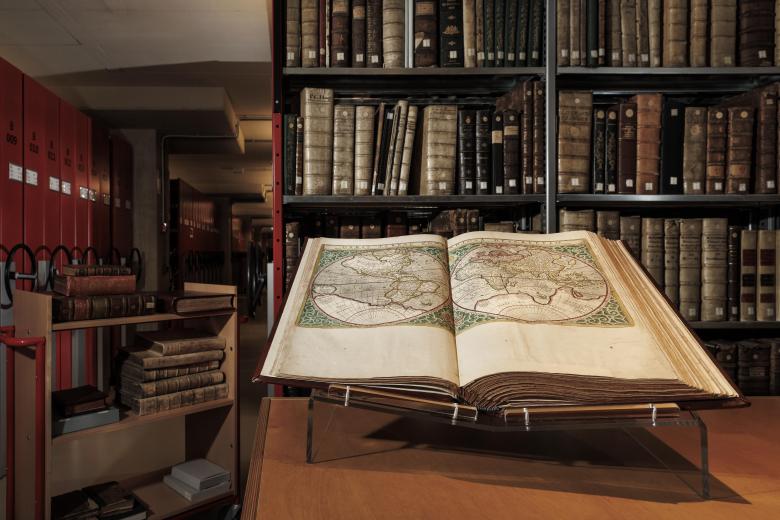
(136, 451)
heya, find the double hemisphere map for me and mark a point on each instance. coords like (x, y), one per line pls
(477, 281)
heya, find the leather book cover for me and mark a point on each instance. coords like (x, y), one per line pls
(739, 154)
(499, 15)
(653, 248)
(317, 111)
(340, 34)
(484, 163)
(389, 157)
(611, 150)
(602, 32)
(289, 154)
(765, 292)
(725, 354)
(748, 268)
(80, 399)
(398, 147)
(293, 34)
(396, 225)
(93, 285)
(615, 31)
(774, 366)
(599, 150)
(698, 33)
(539, 160)
(349, 227)
(467, 151)
(393, 15)
(695, 150)
(469, 34)
(563, 44)
(723, 33)
(672, 140)
(299, 155)
(479, 32)
(608, 224)
(766, 141)
(690, 268)
(117, 306)
(439, 136)
(426, 39)
(497, 153)
(371, 228)
(310, 33)
(580, 220)
(732, 273)
(628, 41)
(592, 33)
(642, 34)
(717, 123)
(380, 161)
(655, 25)
(511, 150)
(451, 33)
(631, 234)
(756, 33)
(753, 367)
(535, 32)
(575, 110)
(472, 220)
(94, 270)
(292, 250)
(100, 307)
(343, 149)
(408, 150)
(378, 133)
(714, 269)
(358, 33)
(521, 33)
(374, 33)
(648, 143)
(510, 31)
(526, 109)
(627, 148)
(331, 226)
(324, 36)
(489, 32)
(672, 260)
(364, 149)
(575, 14)
(675, 33)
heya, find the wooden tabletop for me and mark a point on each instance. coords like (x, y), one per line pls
(375, 466)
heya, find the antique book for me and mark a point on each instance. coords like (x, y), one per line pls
(130, 386)
(748, 267)
(384, 133)
(655, 26)
(732, 274)
(489, 32)
(599, 150)
(491, 347)
(698, 33)
(739, 153)
(675, 32)
(364, 149)
(774, 366)
(672, 261)
(714, 269)
(525, 106)
(371, 228)
(631, 234)
(777, 34)
(292, 250)
(563, 35)
(378, 143)
(408, 150)
(479, 32)
(511, 149)
(626, 153)
(289, 153)
(299, 155)
(583, 32)
(340, 34)
(77, 308)
(349, 227)
(580, 220)
(615, 53)
(539, 160)
(317, 112)
(628, 42)
(497, 153)
(483, 163)
(393, 33)
(472, 220)
(426, 41)
(358, 33)
(188, 302)
(574, 128)
(536, 17)
(310, 33)
(93, 285)
(325, 6)
(94, 270)
(672, 140)
(439, 136)
(73, 505)
(467, 152)
(343, 149)
(653, 248)
(168, 342)
(388, 153)
(111, 498)
(146, 358)
(611, 151)
(766, 141)
(374, 33)
(80, 399)
(756, 33)
(695, 150)
(765, 276)
(717, 125)
(592, 33)
(723, 33)
(469, 34)
(575, 14)
(690, 268)
(510, 31)
(161, 403)
(331, 228)
(753, 367)
(499, 35)
(608, 224)
(648, 142)
(138, 373)
(521, 33)
(642, 34)
(398, 147)
(725, 354)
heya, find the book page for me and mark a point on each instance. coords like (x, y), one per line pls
(373, 309)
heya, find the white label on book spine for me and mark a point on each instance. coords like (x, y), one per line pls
(610, 188)
(535, 55)
(770, 184)
(521, 56)
(602, 51)
(117, 203)
(762, 54)
(632, 58)
(344, 184)
(599, 186)
(442, 185)
(648, 186)
(529, 179)
(645, 58)
(426, 42)
(15, 172)
(66, 188)
(298, 179)
(691, 312)
(673, 181)
(575, 181)
(575, 55)
(512, 183)
(374, 58)
(453, 55)
(497, 136)
(540, 181)
(359, 57)
(742, 187)
(594, 53)
(718, 186)
(380, 185)
(697, 185)
(83, 193)
(482, 185)
(564, 53)
(470, 51)
(290, 55)
(727, 60)
(629, 183)
(401, 185)
(615, 56)
(499, 190)
(500, 55)
(312, 54)
(480, 55)
(31, 177)
(675, 112)
(751, 311)
(491, 56)
(510, 56)
(718, 311)
(54, 184)
(363, 185)
(469, 185)
(340, 56)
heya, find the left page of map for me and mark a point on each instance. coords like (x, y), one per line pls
(370, 311)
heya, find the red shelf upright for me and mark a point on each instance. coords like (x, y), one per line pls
(34, 144)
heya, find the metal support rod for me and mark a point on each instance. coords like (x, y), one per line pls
(551, 126)
(705, 458)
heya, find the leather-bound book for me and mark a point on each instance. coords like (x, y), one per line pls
(451, 33)
(331, 226)
(371, 228)
(364, 149)
(386, 116)
(497, 153)
(655, 25)
(592, 36)
(765, 298)
(774, 366)
(439, 136)
(753, 367)
(535, 32)
(527, 130)
(469, 34)
(93, 285)
(714, 269)
(723, 33)
(521, 33)
(467, 152)
(690, 268)
(393, 33)
(631, 234)
(479, 32)
(672, 140)
(628, 42)
(642, 33)
(511, 152)
(292, 250)
(756, 33)
(653, 248)
(732, 274)
(602, 32)
(343, 149)
(358, 33)
(717, 123)
(608, 224)
(510, 29)
(539, 160)
(293, 34)
(394, 171)
(747, 274)
(611, 150)
(374, 33)
(484, 118)
(575, 14)
(340, 34)
(562, 39)
(581, 220)
(499, 34)
(725, 354)
(672, 260)
(94, 270)
(317, 111)
(648, 142)
(489, 32)
(627, 148)
(310, 33)
(739, 155)
(615, 53)
(396, 225)
(583, 21)
(408, 150)
(77, 400)
(695, 150)
(766, 141)
(426, 41)
(299, 155)
(675, 33)
(324, 35)
(698, 33)
(289, 154)
(599, 150)
(349, 227)
(472, 220)
(389, 132)
(574, 127)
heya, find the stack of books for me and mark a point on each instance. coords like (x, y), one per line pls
(754, 364)
(81, 408)
(198, 480)
(107, 501)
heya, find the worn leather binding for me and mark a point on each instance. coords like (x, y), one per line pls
(608, 224)
(292, 251)
(698, 33)
(628, 42)
(766, 141)
(289, 154)
(527, 130)
(592, 36)
(611, 150)
(358, 33)
(299, 155)
(374, 33)
(723, 33)
(483, 165)
(378, 134)
(408, 150)
(425, 33)
(472, 220)
(331, 227)
(631, 234)
(599, 149)
(324, 35)
(717, 123)
(602, 32)
(521, 33)
(77, 308)
(748, 268)
(672, 260)
(574, 127)
(451, 33)
(583, 21)
(399, 119)
(349, 227)
(371, 228)
(511, 149)
(539, 161)
(690, 268)
(615, 51)
(380, 173)
(714, 269)
(439, 136)
(499, 15)
(93, 285)
(393, 33)
(562, 34)
(364, 149)
(654, 24)
(575, 15)
(310, 33)
(489, 16)
(317, 111)
(765, 297)
(469, 30)
(581, 220)
(510, 28)
(497, 153)
(648, 142)
(774, 367)
(756, 33)
(479, 32)
(672, 139)
(395, 172)
(467, 151)
(732, 273)
(777, 34)
(627, 148)
(642, 34)
(293, 34)
(740, 149)
(340, 34)
(343, 150)
(535, 31)
(653, 248)
(695, 150)
(753, 367)
(675, 33)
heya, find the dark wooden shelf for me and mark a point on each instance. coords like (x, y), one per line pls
(412, 72)
(735, 325)
(679, 201)
(408, 201)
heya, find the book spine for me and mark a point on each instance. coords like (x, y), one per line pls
(765, 298)
(340, 34)
(299, 155)
(499, 13)
(732, 274)
(467, 153)
(672, 139)
(723, 33)
(581, 220)
(349, 227)
(756, 33)
(469, 34)
(648, 143)
(479, 32)
(774, 368)
(511, 150)
(317, 111)
(563, 42)
(627, 148)
(510, 28)
(695, 150)
(425, 30)
(672, 261)
(611, 151)
(371, 228)
(615, 34)
(472, 220)
(766, 142)
(714, 269)
(583, 32)
(675, 33)
(399, 147)
(642, 33)
(129, 386)
(393, 33)
(602, 32)
(628, 32)
(374, 33)
(527, 136)
(748, 268)
(537, 146)
(94, 285)
(535, 30)
(599, 149)
(161, 403)
(188, 346)
(310, 33)
(408, 150)
(653, 248)
(753, 367)
(497, 153)
(489, 33)
(289, 154)
(716, 150)
(739, 153)
(698, 33)
(631, 234)
(292, 251)
(364, 149)
(450, 33)
(484, 118)
(690, 268)
(136, 372)
(343, 150)
(293, 34)
(592, 33)
(574, 126)
(654, 22)
(388, 159)
(575, 15)
(521, 34)
(440, 127)
(358, 33)
(608, 224)
(380, 166)
(323, 36)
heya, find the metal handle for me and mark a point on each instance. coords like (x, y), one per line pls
(12, 274)
(52, 269)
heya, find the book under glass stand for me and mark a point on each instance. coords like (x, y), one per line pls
(516, 420)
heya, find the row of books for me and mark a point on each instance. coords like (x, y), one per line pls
(668, 33)
(108, 500)
(753, 364)
(651, 144)
(444, 33)
(709, 270)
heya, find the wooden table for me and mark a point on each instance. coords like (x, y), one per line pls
(375, 466)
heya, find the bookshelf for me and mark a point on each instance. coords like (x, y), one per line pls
(136, 451)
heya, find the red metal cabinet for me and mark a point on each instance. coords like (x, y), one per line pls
(122, 194)
(34, 143)
(99, 184)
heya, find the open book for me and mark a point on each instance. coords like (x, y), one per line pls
(493, 319)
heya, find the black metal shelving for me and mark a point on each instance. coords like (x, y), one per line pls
(735, 325)
(409, 201)
(671, 201)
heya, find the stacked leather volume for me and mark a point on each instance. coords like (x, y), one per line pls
(754, 364)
